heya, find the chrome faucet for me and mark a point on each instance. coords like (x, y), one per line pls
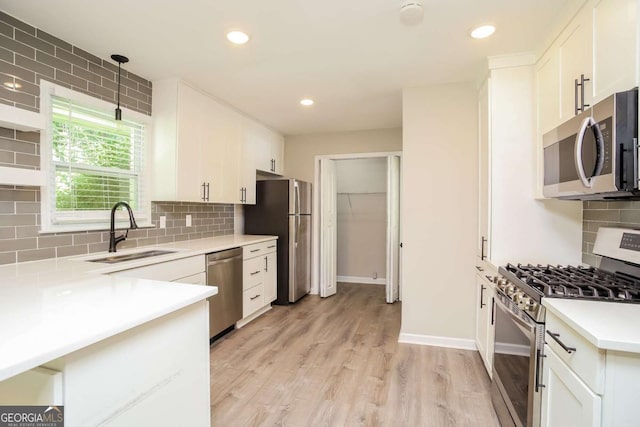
(113, 240)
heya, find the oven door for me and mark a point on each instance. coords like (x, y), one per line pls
(517, 354)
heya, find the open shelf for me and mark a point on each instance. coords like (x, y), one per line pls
(20, 119)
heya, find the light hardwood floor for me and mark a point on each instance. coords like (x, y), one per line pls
(337, 362)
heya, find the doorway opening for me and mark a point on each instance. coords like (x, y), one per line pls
(357, 231)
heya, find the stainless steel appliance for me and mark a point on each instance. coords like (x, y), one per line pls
(283, 209)
(595, 154)
(224, 270)
(520, 316)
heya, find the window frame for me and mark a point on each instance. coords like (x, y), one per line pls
(96, 219)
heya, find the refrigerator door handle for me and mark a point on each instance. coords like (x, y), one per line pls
(297, 207)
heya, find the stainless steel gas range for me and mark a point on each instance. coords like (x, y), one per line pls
(520, 316)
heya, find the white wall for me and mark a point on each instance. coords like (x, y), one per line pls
(362, 218)
(300, 150)
(439, 211)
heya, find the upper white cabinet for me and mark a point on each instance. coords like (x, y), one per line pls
(596, 55)
(615, 47)
(268, 148)
(576, 65)
(205, 151)
(484, 207)
(512, 225)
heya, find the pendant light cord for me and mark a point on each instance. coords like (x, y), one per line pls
(119, 65)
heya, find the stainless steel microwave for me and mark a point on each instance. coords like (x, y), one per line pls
(594, 155)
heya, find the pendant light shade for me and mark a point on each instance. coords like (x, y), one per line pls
(120, 59)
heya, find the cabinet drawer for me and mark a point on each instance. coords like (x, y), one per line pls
(257, 249)
(169, 271)
(252, 272)
(252, 300)
(587, 361)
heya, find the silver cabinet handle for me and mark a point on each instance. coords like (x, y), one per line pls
(482, 289)
(489, 278)
(252, 298)
(479, 268)
(207, 191)
(255, 272)
(582, 82)
(266, 264)
(204, 192)
(575, 96)
(254, 250)
(556, 338)
(482, 254)
(271, 247)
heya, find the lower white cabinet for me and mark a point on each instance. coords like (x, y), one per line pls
(567, 401)
(259, 278)
(484, 320)
(585, 385)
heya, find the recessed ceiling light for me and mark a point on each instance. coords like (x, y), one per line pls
(306, 102)
(483, 31)
(237, 37)
(12, 85)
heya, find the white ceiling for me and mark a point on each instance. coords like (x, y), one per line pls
(352, 56)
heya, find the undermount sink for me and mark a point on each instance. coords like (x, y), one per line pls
(113, 259)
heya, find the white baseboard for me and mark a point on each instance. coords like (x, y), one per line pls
(364, 280)
(513, 349)
(460, 343)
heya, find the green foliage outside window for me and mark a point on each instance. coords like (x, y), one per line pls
(95, 162)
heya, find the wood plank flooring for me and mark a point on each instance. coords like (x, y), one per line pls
(337, 362)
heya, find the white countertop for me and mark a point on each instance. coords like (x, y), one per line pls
(53, 307)
(607, 325)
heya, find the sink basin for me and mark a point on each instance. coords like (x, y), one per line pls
(113, 259)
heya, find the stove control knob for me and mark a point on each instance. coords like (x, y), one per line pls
(510, 290)
(518, 296)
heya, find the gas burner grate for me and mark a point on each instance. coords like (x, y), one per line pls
(577, 282)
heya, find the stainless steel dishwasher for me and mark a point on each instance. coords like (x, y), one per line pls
(224, 270)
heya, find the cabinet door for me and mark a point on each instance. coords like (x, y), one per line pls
(270, 277)
(483, 312)
(232, 157)
(191, 134)
(212, 160)
(566, 400)
(615, 46)
(277, 153)
(484, 135)
(576, 58)
(548, 90)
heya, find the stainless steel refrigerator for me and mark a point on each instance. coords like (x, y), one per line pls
(283, 209)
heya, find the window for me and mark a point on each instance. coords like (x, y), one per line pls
(91, 161)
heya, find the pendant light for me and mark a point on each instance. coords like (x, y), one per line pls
(120, 59)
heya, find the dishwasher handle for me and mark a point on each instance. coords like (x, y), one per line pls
(217, 257)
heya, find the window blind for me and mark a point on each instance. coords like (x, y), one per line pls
(96, 162)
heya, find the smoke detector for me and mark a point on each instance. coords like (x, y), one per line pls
(411, 12)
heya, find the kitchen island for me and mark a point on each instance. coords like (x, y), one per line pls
(110, 348)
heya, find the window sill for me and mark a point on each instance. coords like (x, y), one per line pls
(80, 228)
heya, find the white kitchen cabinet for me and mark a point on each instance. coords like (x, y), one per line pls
(205, 151)
(566, 400)
(615, 47)
(576, 60)
(259, 279)
(268, 147)
(601, 43)
(548, 91)
(154, 374)
(514, 225)
(271, 276)
(484, 172)
(484, 320)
